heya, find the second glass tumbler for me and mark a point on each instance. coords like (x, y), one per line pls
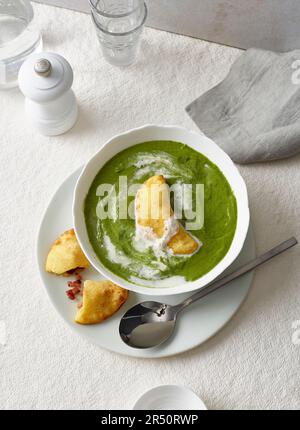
(119, 25)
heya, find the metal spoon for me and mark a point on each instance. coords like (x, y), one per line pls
(149, 324)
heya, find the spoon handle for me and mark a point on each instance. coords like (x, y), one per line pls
(239, 272)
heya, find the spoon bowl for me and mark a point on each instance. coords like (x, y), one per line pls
(147, 324)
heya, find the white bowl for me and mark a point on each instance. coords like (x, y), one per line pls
(169, 398)
(199, 143)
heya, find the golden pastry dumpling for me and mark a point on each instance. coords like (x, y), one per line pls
(65, 254)
(153, 208)
(183, 243)
(153, 204)
(101, 299)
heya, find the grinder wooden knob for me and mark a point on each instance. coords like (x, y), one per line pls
(46, 79)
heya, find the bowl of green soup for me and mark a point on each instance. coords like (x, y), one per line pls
(204, 230)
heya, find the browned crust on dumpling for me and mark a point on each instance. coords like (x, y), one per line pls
(101, 299)
(65, 254)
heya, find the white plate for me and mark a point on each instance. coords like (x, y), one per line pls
(208, 316)
(169, 398)
(197, 142)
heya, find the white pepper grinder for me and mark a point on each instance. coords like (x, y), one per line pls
(45, 79)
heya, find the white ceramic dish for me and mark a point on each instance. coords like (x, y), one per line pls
(169, 398)
(199, 143)
(208, 315)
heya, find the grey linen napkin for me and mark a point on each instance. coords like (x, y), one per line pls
(254, 114)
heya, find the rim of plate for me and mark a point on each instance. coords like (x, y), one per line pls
(243, 219)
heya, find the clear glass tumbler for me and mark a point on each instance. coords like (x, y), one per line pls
(18, 38)
(119, 25)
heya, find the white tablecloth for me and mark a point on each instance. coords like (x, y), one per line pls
(252, 363)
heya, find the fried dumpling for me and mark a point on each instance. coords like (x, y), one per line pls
(183, 243)
(153, 210)
(101, 299)
(153, 204)
(65, 254)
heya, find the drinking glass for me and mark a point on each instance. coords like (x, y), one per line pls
(119, 25)
(18, 38)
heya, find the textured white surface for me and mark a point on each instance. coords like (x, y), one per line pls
(252, 363)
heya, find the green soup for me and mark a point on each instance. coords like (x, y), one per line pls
(113, 238)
